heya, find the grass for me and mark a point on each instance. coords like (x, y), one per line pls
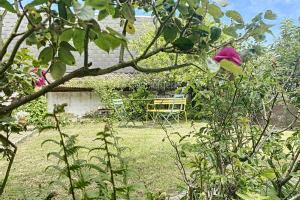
(152, 161)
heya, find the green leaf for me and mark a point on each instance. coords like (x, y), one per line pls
(7, 6)
(257, 18)
(108, 42)
(183, 44)
(78, 39)
(67, 46)
(66, 56)
(183, 9)
(102, 14)
(84, 12)
(170, 33)
(66, 35)
(57, 69)
(231, 31)
(231, 67)
(115, 33)
(215, 33)
(55, 154)
(46, 55)
(103, 44)
(223, 3)
(62, 11)
(98, 4)
(37, 2)
(128, 12)
(268, 173)
(295, 174)
(262, 29)
(50, 141)
(270, 15)
(234, 15)
(201, 11)
(214, 11)
(203, 30)
(114, 41)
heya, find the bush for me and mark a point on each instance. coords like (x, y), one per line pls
(139, 107)
(37, 111)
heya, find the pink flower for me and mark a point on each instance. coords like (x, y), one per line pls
(230, 54)
(40, 82)
(42, 79)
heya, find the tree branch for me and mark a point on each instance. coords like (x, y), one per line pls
(159, 30)
(255, 147)
(5, 66)
(122, 49)
(157, 70)
(81, 72)
(11, 160)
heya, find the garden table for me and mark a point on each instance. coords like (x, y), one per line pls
(166, 109)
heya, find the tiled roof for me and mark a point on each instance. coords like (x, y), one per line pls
(98, 57)
(72, 89)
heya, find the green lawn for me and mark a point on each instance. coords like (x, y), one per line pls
(151, 159)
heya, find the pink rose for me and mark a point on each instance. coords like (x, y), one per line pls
(42, 79)
(230, 54)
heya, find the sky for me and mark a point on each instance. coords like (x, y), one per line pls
(283, 8)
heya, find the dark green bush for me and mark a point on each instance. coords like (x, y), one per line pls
(37, 110)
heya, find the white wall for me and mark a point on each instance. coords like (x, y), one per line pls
(79, 103)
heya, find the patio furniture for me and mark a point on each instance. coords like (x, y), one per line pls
(167, 109)
(178, 96)
(121, 113)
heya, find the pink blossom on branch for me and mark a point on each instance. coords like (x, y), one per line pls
(42, 79)
(230, 54)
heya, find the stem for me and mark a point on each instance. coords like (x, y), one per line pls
(265, 127)
(65, 155)
(160, 29)
(122, 49)
(114, 194)
(11, 160)
(86, 47)
(11, 37)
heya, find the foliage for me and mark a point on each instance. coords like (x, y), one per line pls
(241, 153)
(139, 107)
(287, 58)
(104, 179)
(37, 111)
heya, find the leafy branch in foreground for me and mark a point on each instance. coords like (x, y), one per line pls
(114, 166)
(101, 176)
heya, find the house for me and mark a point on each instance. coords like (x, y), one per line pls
(82, 100)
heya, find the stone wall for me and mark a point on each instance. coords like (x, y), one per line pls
(79, 103)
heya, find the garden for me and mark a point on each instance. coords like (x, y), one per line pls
(194, 104)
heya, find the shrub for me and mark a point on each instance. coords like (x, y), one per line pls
(37, 111)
